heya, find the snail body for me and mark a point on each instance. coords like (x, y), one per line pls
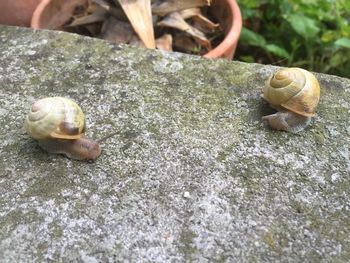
(59, 124)
(294, 93)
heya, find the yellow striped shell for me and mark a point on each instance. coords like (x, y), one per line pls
(55, 117)
(294, 89)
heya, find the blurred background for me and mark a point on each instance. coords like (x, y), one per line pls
(312, 34)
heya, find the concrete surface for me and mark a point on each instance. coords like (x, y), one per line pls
(191, 175)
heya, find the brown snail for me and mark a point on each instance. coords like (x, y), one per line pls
(294, 93)
(59, 125)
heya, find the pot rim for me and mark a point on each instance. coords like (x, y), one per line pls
(35, 21)
(231, 39)
(225, 49)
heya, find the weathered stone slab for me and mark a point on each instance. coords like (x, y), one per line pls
(191, 175)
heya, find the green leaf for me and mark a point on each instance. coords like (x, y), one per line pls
(345, 4)
(304, 26)
(343, 42)
(336, 60)
(310, 2)
(329, 35)
(250, 37)
(249, 59)
(345, 30)
(278, 51)
(250, 3)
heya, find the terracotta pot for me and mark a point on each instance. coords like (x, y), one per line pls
(228, 14)
(52, 14)
(17, 12)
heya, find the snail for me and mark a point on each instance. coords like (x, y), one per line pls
(59, 124)
(294, 93)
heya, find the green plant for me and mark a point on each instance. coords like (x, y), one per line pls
(313, 34)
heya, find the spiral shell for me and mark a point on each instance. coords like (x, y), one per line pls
(55, 117)
(294, 89)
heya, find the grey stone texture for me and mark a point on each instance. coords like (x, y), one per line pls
(191, 175)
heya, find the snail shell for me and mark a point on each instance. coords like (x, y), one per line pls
(55, 117)
(294, 89)
(59, 125)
